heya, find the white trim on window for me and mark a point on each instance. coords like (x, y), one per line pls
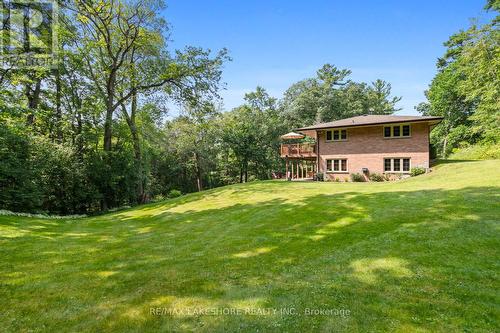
(337, 165)
(400, 129)
(339, 132)
(401, 163)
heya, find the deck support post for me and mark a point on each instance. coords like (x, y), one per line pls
(286, 170)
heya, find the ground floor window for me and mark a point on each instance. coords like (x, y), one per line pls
(336, 165)
(396, 165)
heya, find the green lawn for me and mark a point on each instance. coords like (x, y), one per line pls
(415, 255)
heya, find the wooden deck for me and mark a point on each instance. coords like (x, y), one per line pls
(298, 150)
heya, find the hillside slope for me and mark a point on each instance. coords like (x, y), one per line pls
(419, 254)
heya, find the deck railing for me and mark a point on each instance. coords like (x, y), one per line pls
(298, 150)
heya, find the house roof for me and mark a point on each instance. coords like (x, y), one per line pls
(367, 120)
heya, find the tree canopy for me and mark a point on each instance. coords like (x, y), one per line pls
(331, 95)
(466, 89)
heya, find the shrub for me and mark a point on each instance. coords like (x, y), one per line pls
(357, 177)
(477, 152)
(417, 171)
(18, 191)
(320, 177)
(174, 194)
(4, 212)
(376, 177)
(117, 209)
(158, 197)
(60, 177)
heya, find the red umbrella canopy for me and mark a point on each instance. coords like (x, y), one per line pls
(292, 135)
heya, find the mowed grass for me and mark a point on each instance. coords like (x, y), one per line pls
(415, 255)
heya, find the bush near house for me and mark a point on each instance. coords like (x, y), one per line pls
(376, 177)
(357, 177)
(416, 171)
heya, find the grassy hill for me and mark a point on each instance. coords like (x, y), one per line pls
(420, 254)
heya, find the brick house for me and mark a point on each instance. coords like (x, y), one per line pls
(367, 144)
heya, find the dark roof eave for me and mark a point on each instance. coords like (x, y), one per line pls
(312, 128)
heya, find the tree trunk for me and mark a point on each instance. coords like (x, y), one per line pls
(104, 205)
(445, 144)
(107, 127)
(79, 138)
(199, 182)
(33, 96)
(108, 133)
(108, 123)
(58, 114)
(136, 142)
(107, 149)
(141, 195)
(445, 141)
(246, 171)
(76, 105)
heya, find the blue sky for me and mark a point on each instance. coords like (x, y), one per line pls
(276, 43)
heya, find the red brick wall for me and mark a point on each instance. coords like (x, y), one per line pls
(366, 147)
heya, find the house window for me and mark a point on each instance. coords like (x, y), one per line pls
(406, 164)
(336, 135)
(406, 130)
(396, 164)
(387, 164)
(397, 131)
(336, 165)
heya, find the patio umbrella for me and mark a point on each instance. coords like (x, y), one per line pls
(292, 135)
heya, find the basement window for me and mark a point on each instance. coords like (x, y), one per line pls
(397, 131)
(397, 165)
(336, 165)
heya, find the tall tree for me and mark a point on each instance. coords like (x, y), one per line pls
(466, 89)
(380, 100)
(251, 133)
(194, 137)
(446, 101)
(124, 49)
(332, 95)
(109, 33)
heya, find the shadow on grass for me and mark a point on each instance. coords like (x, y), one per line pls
(442, 161)
(266, 186)
(397, 260)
